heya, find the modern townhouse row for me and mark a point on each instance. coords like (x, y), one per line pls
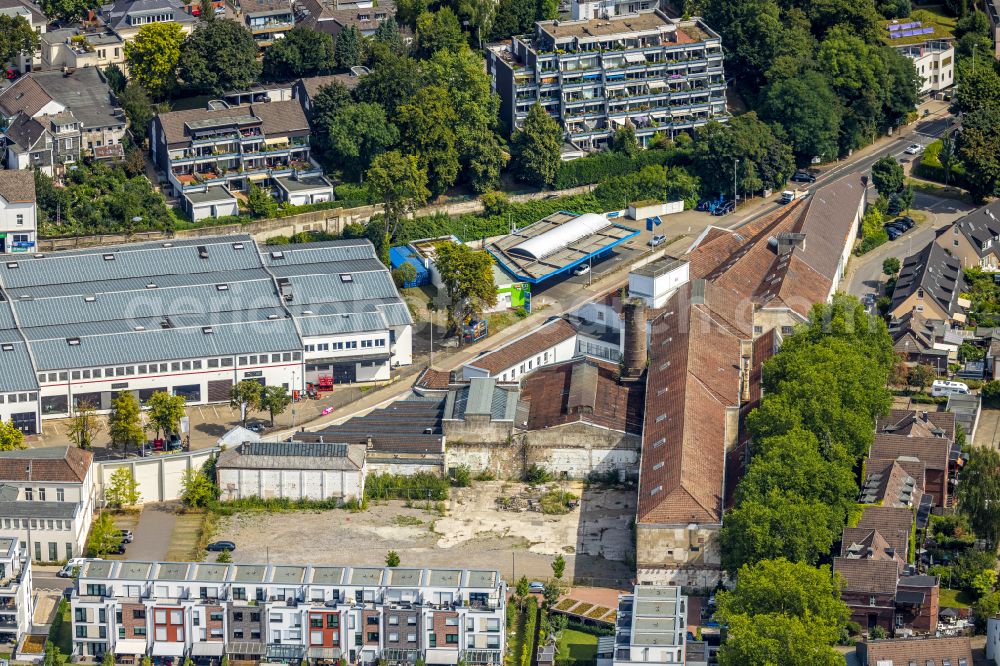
(287, 613)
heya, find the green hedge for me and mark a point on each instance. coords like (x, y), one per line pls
(530, 626)
(420, 486)
(929, 167)
(601, 166)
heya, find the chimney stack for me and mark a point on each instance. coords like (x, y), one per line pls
(634, 354)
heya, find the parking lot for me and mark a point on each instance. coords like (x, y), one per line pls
(596, 538)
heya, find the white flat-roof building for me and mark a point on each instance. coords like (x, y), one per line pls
(16, 601)
(935, 64)
(651, 627)
(288, 613)
(192, 317)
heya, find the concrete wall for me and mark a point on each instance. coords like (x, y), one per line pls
(293, 484)
(159, 477)
(387, 464)
(504, 460)
(577, 449)
(678, 554)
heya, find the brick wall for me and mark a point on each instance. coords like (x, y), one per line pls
(130, 622)
(369, 627)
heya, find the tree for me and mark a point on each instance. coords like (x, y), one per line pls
(978, 88)
(219, 56)
(623, 141)
(104, 536)
(558, 566)
(745, 150)
(123, 489)
(514, 17)
(426, 125)
(302, 52)
(467, 275)
(197, 490)
(206, 10)
(793, 589)
(330, 98)
(438, 31)
(523, 588)
(808, 111)
(985, 608)
(777, 525)
(153, 55)
(108, 659)
(979, 150)
(387, 34)
(393, 79)
(551, 592)
(478, 14)
(84, 425)
(774, 640)
(260, 203)
(65, 10)
(115, 77)
(538, 148)
(16, 37)
(245, 395)
(11, 438)
(921, 376)
(392, 559)
(991, 392)
(138, 108)
(124, 422)
(948, 155)
(146, 661)
(979, 492)
(887, 176)
(275, 400)
(224, 557)
(891, 266)
(401, 185)
(347, 50)
(165, 412)
(53, 655)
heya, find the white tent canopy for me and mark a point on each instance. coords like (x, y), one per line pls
(556, 239)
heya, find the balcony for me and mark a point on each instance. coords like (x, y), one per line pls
(215, 137)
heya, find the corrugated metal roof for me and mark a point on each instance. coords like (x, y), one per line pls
(16, 372)
(314, 253)
(312, 325)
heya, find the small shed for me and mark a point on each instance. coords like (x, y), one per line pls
(404, 254)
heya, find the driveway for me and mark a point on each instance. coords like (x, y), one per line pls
(151, 537)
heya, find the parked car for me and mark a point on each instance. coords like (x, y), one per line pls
(803, 177)
(658, 239)
(118, 550)
(582, 269)
(126, 535)
(906, 221)
(67, 570)
(893, 234)
(536, 586)
(255, 426)
(913, 149)
(724, 209)
(219, 546)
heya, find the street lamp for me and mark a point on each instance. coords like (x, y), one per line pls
(735, 162)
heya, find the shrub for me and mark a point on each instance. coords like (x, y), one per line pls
(601, 166)
(462, 476)
(930, 168)
(537, 474)
(422, 485)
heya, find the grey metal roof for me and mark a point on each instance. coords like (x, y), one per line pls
(84, 93)
(180, 299)
(293, 455)
(15, 509)
(210, 195)
(482, 397)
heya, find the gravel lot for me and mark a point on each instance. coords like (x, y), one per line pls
(596, 539)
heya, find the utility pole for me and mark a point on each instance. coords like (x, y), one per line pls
(735, 163)
(28, 520)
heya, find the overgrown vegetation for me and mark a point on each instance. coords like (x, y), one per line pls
(419, 486)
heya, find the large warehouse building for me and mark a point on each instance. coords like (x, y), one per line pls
(192, 317)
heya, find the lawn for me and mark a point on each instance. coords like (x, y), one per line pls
(953, 599)
(184, 542)
(577, 648)
(61, 632)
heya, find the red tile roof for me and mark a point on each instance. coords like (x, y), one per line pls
(904, 651)
(435, 380)
(63, 464)
(932, 451)
(893, 523)
(692, 382)
(528, 346)
(867, 576)
(551, 391)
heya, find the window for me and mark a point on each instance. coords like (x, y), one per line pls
(786, 330)
(332, 621)
(239, 593)
(451, 639)
(20, 220)
(451, 622)
(411, 638)
(81, 632)
(871, 601)
(41, 494)
(29, 494)
(373, 636)
(139, 631)
(81, 614)
(237, 633)
(160, 617)
(316, 637)
(393, 636)
(394, 619)
(161, 634)
(60, 495)
(372, 621)
(215, 616)
(139, 614)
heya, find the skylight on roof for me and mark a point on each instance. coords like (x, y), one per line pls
(7, 347)
(89, 298)
(222, 287)
(346, 277)
(73, 342)
(109, 257)
(11, 264)
(207, 330)
(237, 246)
(151, 285)
(277, 254)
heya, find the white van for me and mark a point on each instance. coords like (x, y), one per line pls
(941, 387)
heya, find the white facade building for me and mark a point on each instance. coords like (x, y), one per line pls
(553, 342)
(47, 500)
(18, 217)
(935, 64)
(16, 601)
(292, 470)
(289, 614)
(658, 280)
(192, 317)
(651, 627)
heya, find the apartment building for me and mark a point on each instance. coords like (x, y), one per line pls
(597, 74)
(650, 628)
(192, 317)
(288, 614)
(47, 500)
(126, 17)
(207, 154)
(934, 61)
(335, 16)
(18, 219)
(16, 600)
(267, 20)
(76, 48)
(33, 14)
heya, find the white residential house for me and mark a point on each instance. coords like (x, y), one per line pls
(47, 500)
(18, 219)
(33, 14)
(553, 342)
(935, 63)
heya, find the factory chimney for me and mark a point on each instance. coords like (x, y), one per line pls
(634, 352)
